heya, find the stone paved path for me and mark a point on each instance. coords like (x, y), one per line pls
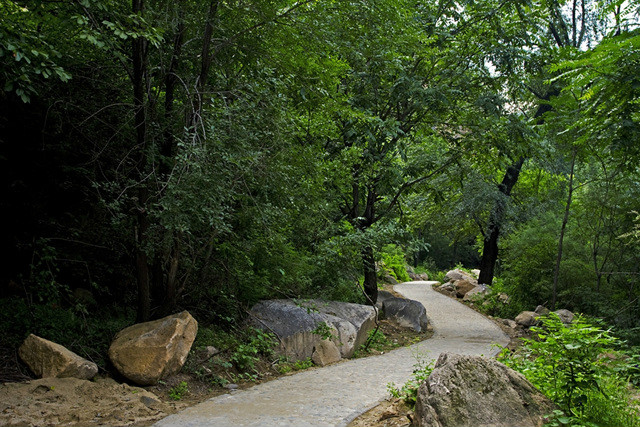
(336, 394)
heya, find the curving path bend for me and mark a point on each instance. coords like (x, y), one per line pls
(336, 394)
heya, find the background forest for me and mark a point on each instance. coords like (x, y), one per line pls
(203, 155)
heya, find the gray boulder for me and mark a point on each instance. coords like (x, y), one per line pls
(382, 296)
(478, 392)
(300, 326)
(527, 318)
(565, 315)
(47, 359)
(474, 293)
(406, 312)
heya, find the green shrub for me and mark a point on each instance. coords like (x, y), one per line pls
(565, 362)
(394, 263)
(179, 391)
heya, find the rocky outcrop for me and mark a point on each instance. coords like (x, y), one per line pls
(542, 310)
(301, 325)
(478, 392)
(150, 351)
(47, 359)
(408, 313)
(527, 318)
(325, 353)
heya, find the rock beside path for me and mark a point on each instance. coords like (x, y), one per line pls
(147, 352)
(408, 313)
(47, 359)
(472, 391)
(300, 326)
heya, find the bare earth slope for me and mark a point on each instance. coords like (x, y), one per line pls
(334, 395)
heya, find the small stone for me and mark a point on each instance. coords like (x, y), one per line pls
(231, 386)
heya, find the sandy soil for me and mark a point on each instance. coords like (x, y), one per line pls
(70, 401)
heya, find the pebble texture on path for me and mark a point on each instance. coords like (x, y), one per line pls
(336, 394)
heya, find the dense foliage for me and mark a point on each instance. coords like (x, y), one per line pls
(580, 368)
(157, 156)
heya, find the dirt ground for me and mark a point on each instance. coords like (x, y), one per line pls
(107, 402)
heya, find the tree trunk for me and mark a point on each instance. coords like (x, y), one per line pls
(142, 222)
(370, 278)
(490, 248)
(556, 271)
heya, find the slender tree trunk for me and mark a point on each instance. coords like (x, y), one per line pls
(556, 271)
(140, 122)
(490, 248)
(370, 278)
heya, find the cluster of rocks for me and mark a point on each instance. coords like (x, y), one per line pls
(463, 285)
(527, 319)
(325, 331)
(466, 391)
(143, 353)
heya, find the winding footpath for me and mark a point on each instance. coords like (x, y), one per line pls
(336, 394)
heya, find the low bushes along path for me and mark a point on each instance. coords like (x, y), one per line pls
(336, 394)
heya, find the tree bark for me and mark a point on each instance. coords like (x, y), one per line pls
(490, 248)
(556, 271)
(138, 50)
(370, 278)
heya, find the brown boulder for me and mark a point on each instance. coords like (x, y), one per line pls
(473, 391)
(147, 352)
(47, 359)
(462, 287)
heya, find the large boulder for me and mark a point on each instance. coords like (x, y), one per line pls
(463, 286)
(300, 326)
(382, 296)
(527, 318)
(475, 391)
(406, 312)
(147, 352)
(47, 359)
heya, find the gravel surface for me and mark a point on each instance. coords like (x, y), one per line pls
(336, 394)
